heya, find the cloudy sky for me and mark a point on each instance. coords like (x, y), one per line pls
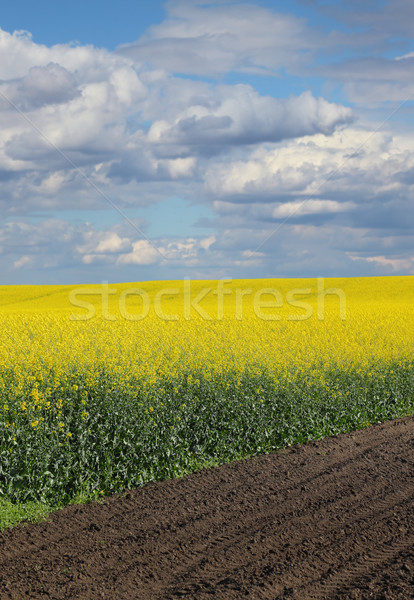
(202, 139)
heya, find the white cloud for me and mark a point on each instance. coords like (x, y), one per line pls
(311, 207)
(56, 243)
(180, 167)
(351, 163)
(338, 196)
(22, 53)
(51, 184)
(103, 242)
(389, 265)
(51, 84)
(79, 98)
(374, 80)
(185, 251)
(242, 116)
(143, 253)
(404, 56)
(120, 124)
(206, 243)
(213, 39)
(367, 51)
(24, 261)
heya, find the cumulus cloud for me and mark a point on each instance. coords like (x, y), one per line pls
(293, 183)
(184, 251)
(83, 253)
(143, 253)
(51, 84)
(79, 98)
(99, 243)
(242, 116)
(54, 244)
(72, 113)
(389, 265)
(349, 163)
(311, 207)
(305, 200)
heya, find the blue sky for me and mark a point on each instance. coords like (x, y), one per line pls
(205, 139)
(102, 23)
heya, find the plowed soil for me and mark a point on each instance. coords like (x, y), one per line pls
(332, 519)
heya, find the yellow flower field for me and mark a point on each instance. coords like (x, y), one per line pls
(104, 387)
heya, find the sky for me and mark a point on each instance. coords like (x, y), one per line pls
(205, 140)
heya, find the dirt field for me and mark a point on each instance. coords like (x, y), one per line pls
(333, 519)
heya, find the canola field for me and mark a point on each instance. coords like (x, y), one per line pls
(108, 387)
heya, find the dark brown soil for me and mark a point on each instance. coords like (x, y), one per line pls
(333, 519)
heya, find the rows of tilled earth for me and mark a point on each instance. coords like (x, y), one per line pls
(332, 519)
